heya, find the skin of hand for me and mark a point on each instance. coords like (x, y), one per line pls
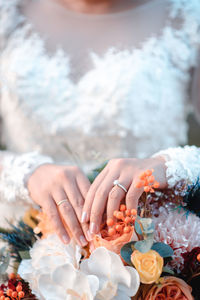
(103, 196)
(50, 184)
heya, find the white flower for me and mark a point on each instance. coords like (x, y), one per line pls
(115, 280)
(47, 255)
(55, 272)
(68, 283)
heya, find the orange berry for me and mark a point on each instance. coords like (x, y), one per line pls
(122, 207)
(151, 179)
(20, 294)
(156, 184)
(19, 283)
(148, 172)
(143, 176)
(1, 293)
(19, 288)
(128, 212)
(139, 184)
(147, 189)
(6, 298)
(2, 298)
(14, 294)
(110, 222)
(12, 276)
(127, 229)
(115, 213)
(128, 220)
(152, 190)
(111, 231)
(118, 227)
(18, 276)
(133, 212)
(198, 257)
(133, 218)
(119, 215)
(9, 292)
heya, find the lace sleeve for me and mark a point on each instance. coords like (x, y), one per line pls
(15, 170)
(183, 163)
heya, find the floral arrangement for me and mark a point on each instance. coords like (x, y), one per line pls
(149, 254)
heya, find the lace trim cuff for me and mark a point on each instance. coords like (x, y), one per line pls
(182, 164)
(15, 171)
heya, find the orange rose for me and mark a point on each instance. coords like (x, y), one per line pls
(114, 243)
(149, 265)
(171, 288)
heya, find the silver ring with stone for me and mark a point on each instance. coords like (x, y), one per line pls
(116, 182)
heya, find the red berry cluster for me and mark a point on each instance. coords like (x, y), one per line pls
(16, 289)
(122, 221)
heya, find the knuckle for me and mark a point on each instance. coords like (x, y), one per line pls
(66, 208)
(96, 215)
(113, 194)
(61, 174)
(52, 215)
(77, 231)
(130, 197)
(100, 194)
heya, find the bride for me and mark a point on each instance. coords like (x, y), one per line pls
(84, 81)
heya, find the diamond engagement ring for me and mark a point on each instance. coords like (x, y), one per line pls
(61, 202)
(116, 182)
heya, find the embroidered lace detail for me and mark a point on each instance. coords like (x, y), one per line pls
(15, 171)
(114, 108)
(182, 164)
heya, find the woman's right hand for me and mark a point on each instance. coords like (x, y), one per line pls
(50, 184)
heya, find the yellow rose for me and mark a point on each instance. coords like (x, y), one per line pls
(149, 265)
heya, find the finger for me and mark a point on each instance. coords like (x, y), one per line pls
(74, 195)
(69, 217)
(99, 202)
(133, 196)
(51, 210)
(117, 194)
(83, 183)
(90, 196)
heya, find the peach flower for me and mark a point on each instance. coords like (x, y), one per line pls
(149, 265)
(112, 243)
(170, 288)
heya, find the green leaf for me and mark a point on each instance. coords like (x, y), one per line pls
(126, 252)
(5, 260)
(137, 227)
(148, 225)
(168, 270)
(144, 245)
(163, 249)
(24, 254)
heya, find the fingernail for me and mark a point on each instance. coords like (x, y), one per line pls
(89, 237)
(93, 228)
(84, 217)
(83, 241)
(65, 239)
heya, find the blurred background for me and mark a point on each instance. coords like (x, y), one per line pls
(194, 131)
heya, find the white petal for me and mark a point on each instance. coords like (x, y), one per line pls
(121, 296)
(94, 284)
(70, 278)
(49, 290)
(99, 263)
(132, 288)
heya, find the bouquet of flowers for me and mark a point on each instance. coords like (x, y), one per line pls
(149, 254)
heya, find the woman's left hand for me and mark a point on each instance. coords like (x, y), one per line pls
(104, 196)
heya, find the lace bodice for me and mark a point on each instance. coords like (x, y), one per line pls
(133, 102)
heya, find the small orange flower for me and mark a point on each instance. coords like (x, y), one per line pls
(147, 181)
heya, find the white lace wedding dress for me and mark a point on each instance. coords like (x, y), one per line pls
(131, 101)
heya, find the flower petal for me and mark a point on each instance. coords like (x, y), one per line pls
(49, 290)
